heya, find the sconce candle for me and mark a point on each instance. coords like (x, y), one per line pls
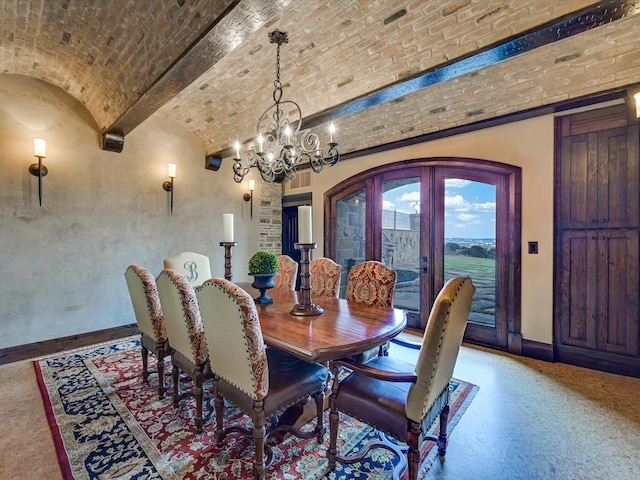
(637, 98)
(39, 148)
(227, 219)
(248, 197)
(304, 224)
(38, 169)
(168, 186)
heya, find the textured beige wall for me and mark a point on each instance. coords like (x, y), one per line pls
(62, 264)
(527, 144)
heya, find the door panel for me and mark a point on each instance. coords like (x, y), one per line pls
(470, 242)
(618, 292)
(290, 236)
(351, 231)
(579, 284)
(400, 243)
(471, 203)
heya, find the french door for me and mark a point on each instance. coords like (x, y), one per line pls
(430, 220)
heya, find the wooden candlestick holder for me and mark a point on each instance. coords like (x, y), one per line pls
(227, 258)
(306, 307)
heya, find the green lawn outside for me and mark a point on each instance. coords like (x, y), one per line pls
(483, 275)
(482, 272)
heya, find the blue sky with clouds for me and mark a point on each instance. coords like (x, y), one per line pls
(470, 207)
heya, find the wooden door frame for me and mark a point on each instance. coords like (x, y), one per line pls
(508, 286)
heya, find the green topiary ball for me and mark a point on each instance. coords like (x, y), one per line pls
(263, 262)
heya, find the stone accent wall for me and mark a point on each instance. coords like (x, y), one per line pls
(270, 213)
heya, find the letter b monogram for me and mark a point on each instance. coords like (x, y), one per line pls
(192, 268)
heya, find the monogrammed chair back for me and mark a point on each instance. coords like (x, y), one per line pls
(193, 266)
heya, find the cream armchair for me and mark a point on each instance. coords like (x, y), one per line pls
(194, 266)
(186, 334)
(262, 382)
(150, 319)
(400, 399)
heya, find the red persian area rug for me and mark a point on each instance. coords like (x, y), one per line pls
(107, 424)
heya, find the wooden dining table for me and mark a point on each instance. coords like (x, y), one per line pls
(345, 328)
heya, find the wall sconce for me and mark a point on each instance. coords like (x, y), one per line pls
(249, 196)
(38, 169)
(168, 186)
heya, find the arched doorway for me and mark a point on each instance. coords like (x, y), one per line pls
(430, 219)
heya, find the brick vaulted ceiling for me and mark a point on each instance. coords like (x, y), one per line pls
(209, 64)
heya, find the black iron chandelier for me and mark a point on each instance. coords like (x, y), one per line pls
(281, 145)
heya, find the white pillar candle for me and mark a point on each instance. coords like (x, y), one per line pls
(228, 226)
(304, 224)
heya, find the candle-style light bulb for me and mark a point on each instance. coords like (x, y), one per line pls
(237, 145)
(260, 141)
(332, 129)
(287, 132)
(252, 185)
(172, 170)
(39, 148)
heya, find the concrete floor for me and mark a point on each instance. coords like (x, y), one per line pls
(539, 420)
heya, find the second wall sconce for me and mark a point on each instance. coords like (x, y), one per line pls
(38, 169)
(168, 185)
(249, 196)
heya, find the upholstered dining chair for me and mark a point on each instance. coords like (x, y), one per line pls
(262, 382)
(287, 272)
(186, 335)
(150, 319)
(401, 399)
(325, 277)
(194, 266)
(371, 283)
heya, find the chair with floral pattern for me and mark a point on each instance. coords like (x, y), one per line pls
(194, 266)
(186, 335)
(371, 283)
(325, 277)
(150, 319)
(262, 382)
(401, 399)
(287, 272)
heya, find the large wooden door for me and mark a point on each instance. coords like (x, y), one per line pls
(597, 271)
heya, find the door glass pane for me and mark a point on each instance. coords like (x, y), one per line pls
(470, 242)
(350, 238)
(401, 238)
